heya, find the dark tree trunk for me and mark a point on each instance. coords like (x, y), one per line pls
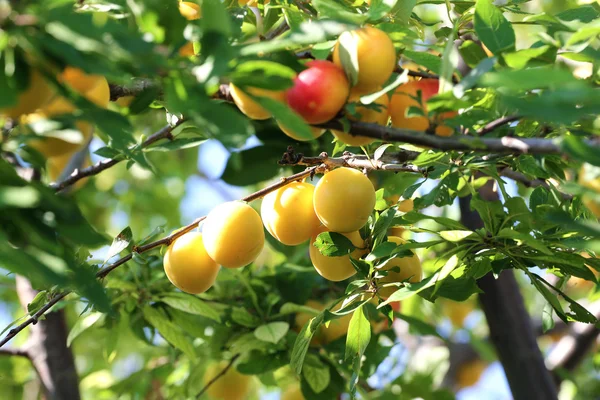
(511, 330)
(47, 348)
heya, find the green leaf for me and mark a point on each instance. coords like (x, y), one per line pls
(472, 53)
(429, 61)
(191, 304)
(333, 244)
(446, 270)
(337, 12)
(348, 51)
(215, 18)
(525, 239)
(359, 334)
(40, 299)
(256, 362)
(251, 166)
(241, 316)
(286, 117)
(413, 217)
(455, 236)
(492, 28)
(316, 373)
(528, 79)
(520, 59)
(303, 341)
(82, 324)
(272, 332)
(263, 74)
(169, 331)
(579, 150)
(491, 212)
(120, 243)
(403, 10)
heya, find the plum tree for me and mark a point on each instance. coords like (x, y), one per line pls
(348, 187)
(337, 268)
(407, 96)
(375, 54)
(233, 234)
(288, 213)
(319, 92)
(408, 269)
(188, 265)
(230, 386)
(376, 113)
(250, 107)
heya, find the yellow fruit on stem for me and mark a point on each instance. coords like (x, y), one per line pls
(376, 56)
(188, 265)
(248, 106)
(344, 199)
(405, 97)
(233, 234)
(316, 132)
(288, 213)
(457, 311)
(337, 268)
(293, 392)
(189, 10)
(37, 93)
(79, 80)
(375, 115)
(230, 386)
(469, 373)
(410, 269)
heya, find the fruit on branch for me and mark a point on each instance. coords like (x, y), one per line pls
(289, 215)
(125, 101)
(580, 286)
(457, 311)
(233, 234)
(316, 132)
(190, 11)
(344, 199)
(37, 93)
(302, 318)
(55, 166)
(319, 92)
(292, 392)
(230, 386)
(251, 3)
(337, 268)
(94, 88)
(188, 266)
(589, 177)
(375, 113)
(409, 270)
(248, 106)
(406, 96)
(469, 373)
(375, 54)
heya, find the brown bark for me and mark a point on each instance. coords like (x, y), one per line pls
(511, 330)
(48, 351)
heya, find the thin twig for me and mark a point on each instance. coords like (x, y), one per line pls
(395, 162)
(164, 241)
(492, 126)
(78, 174)
(219, 375)
(14, 352)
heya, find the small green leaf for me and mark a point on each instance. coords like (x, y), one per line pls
(303, 341)
(272, 332)
(120, 243)
(82, 324)
(169, 331)
(348, 51)
(241, 316)
(455, 236)
(359, 334)
(316, 373)
(191, 304)
(492, 28)
(333, 244)
(40, 299)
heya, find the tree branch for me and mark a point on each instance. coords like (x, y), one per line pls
(14, 352)
(392, 162)
(78, 174)
(219, 375)
(505, 145)
(492, 126)
(309, 172)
